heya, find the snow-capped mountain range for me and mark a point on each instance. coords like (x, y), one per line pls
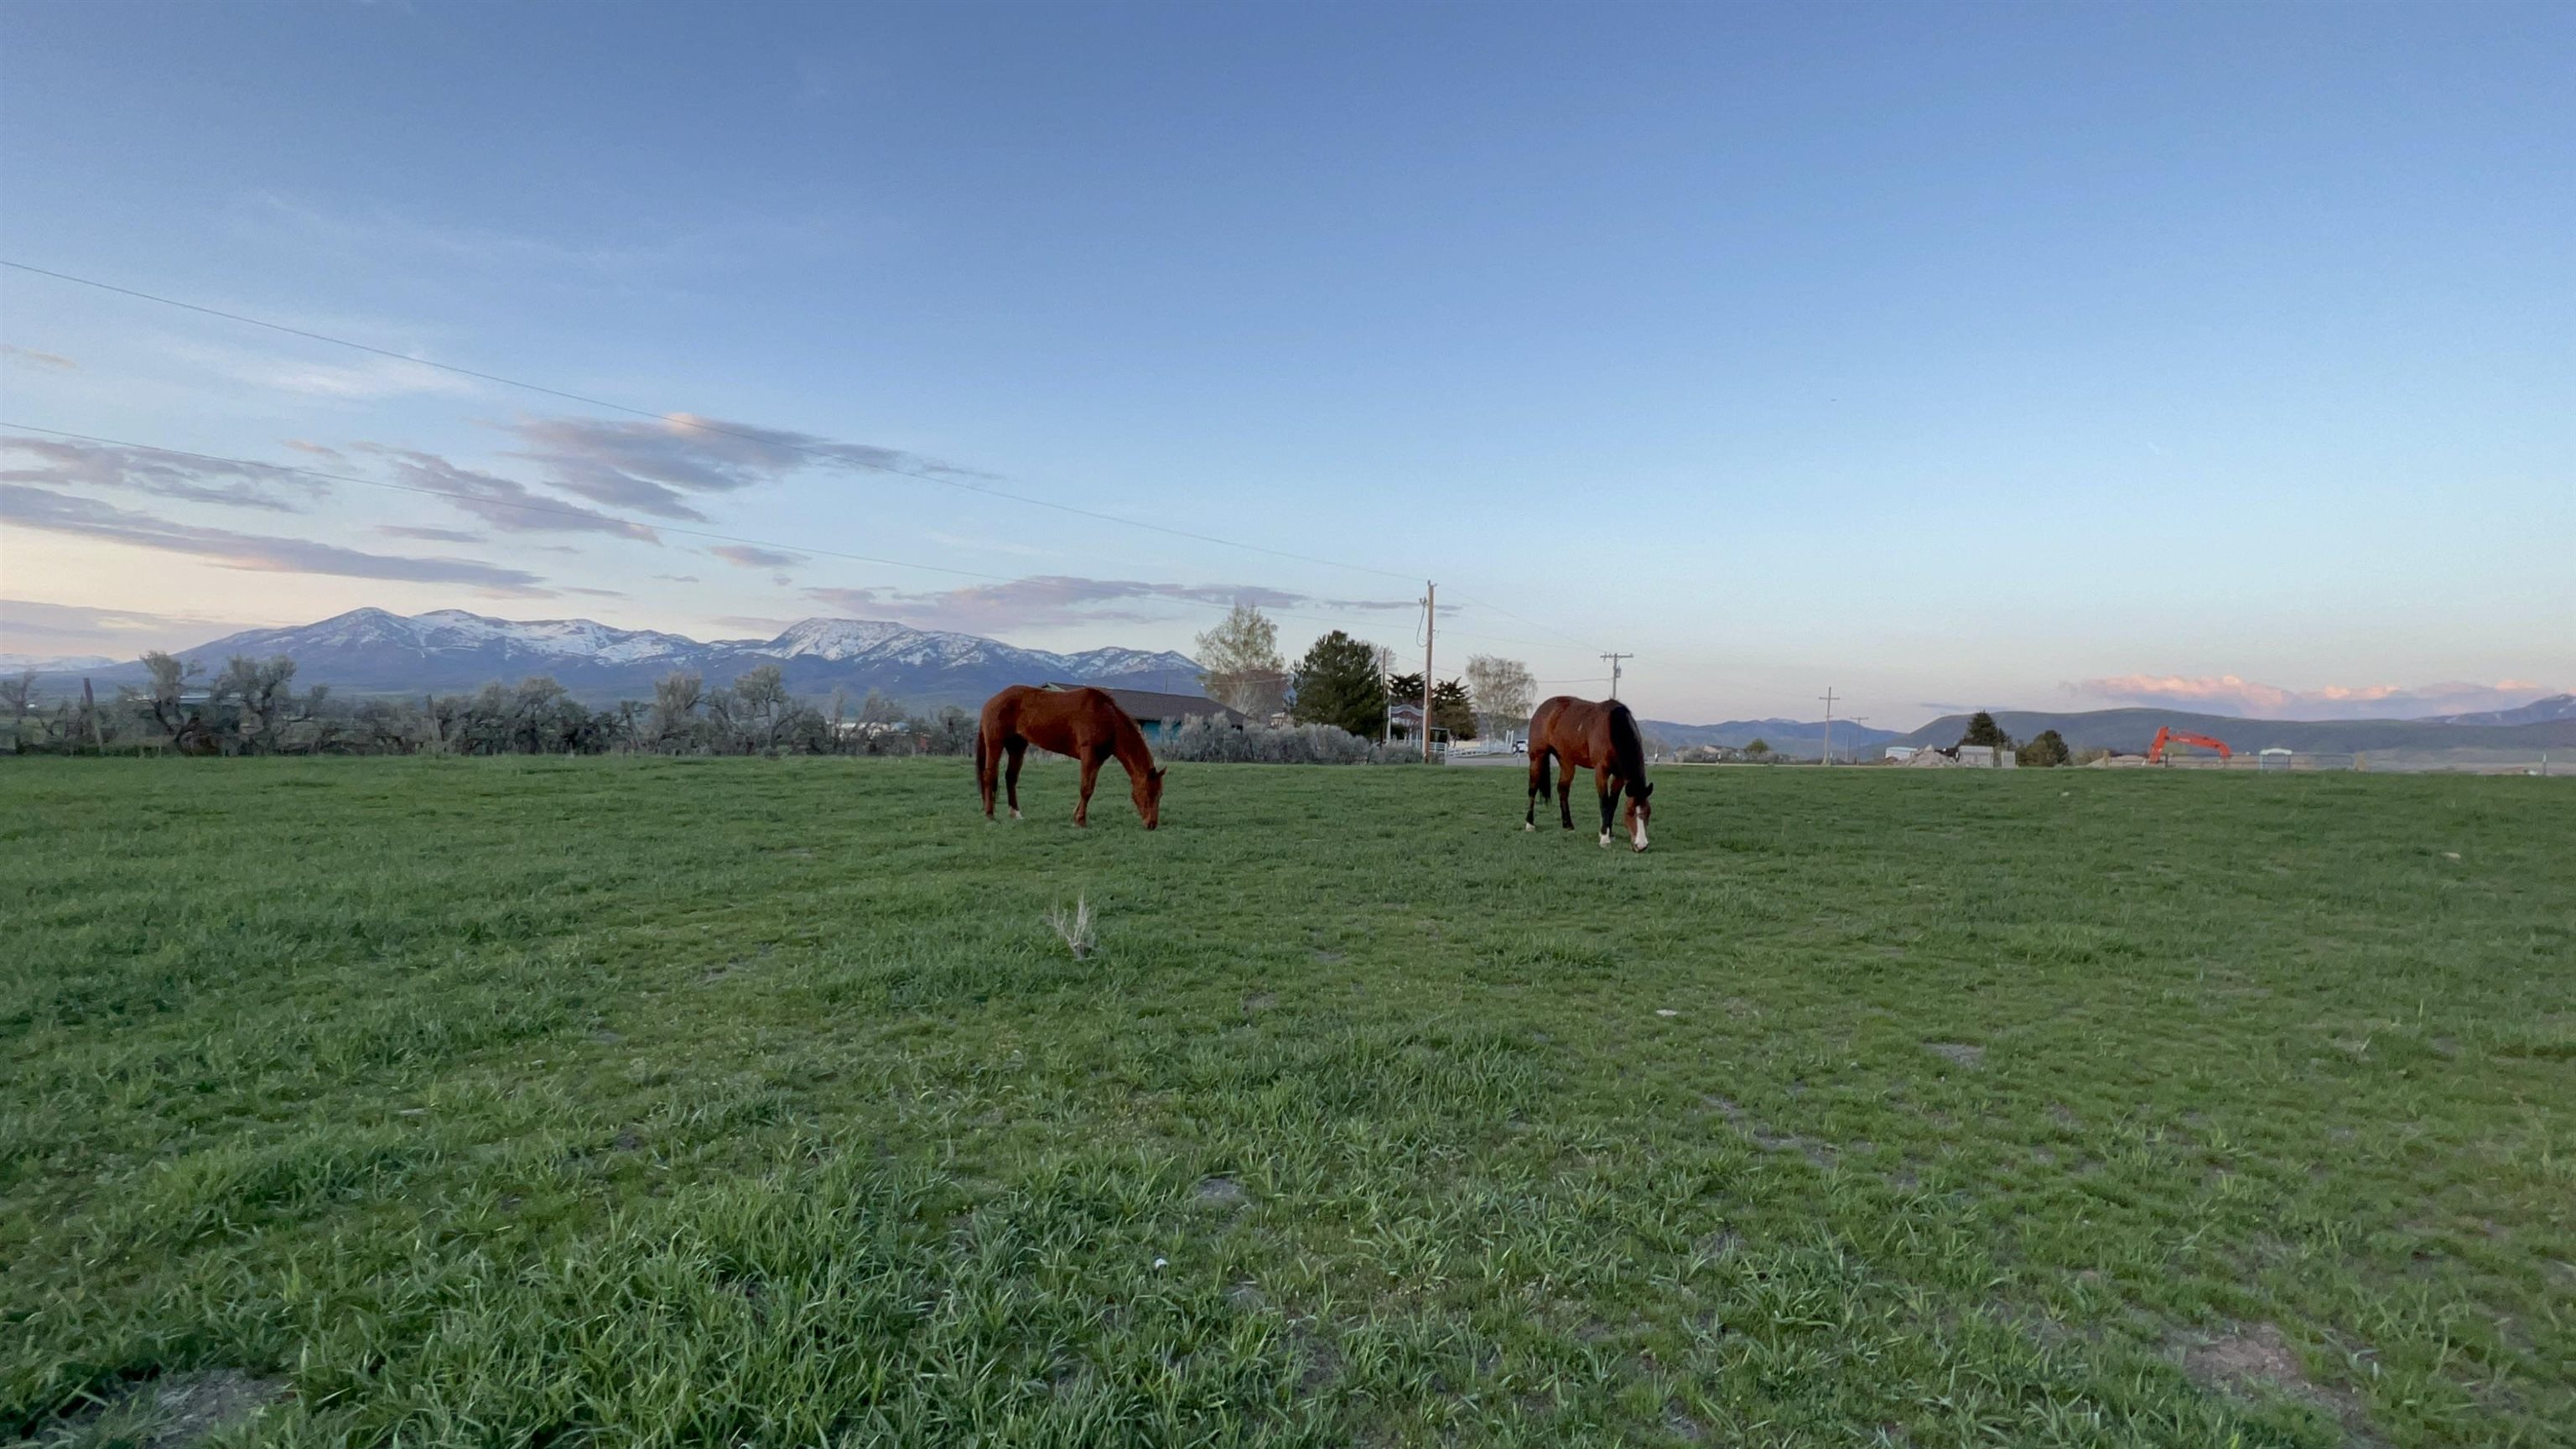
(372, 651)
(51, 663)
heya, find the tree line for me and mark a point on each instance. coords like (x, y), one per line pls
(252, 706)
(1347, 682)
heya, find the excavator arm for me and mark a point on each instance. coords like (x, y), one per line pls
(2164, 737)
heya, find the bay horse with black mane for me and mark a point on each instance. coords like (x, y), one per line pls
(1602, 738)
(1084, 723)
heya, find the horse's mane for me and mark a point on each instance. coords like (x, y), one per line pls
(1627, 746)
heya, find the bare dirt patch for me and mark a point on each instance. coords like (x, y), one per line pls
(177, 1410)
(1819, 1153)
(1958, 1052)
(2254, 1356)
(1222, 1192)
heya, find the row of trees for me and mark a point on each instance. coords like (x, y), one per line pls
(252, 707)
(1345, 682)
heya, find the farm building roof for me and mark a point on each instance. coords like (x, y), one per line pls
(1152, 704)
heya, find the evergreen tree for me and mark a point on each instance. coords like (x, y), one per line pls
(2045, 751)
(1453, 710)
(1338, 685)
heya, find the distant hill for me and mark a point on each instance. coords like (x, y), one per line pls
(372, 651)
(2539, 711)
(2130, 731)
(1784, 736)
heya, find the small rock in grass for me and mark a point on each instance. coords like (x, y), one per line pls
(1666, 1011)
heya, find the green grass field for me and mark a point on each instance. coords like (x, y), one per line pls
(750, 1102)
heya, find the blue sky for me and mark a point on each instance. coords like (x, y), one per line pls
(2015, 355)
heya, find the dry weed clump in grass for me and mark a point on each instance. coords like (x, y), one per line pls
(472, 1104)
(1074, 928)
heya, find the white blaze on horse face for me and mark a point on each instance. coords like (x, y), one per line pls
(1637, 830)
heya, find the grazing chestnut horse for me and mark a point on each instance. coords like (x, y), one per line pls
(1602, 738)
(1084, 723)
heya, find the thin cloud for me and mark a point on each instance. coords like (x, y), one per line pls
(642, 256)
(36, 626)
(437, 535)
(52, 512)
(62, 462)
(318, 450)
(368, 379)
(678, 578)
(742, 555)
(501, 502)
(656, 466)
(1062, 599)
(2229, 694)
(989, 545)
(595, 593)
(54, 360)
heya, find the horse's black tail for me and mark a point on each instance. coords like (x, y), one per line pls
(1627, 747)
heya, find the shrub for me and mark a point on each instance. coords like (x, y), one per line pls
(2045, 751)
(1203, 740)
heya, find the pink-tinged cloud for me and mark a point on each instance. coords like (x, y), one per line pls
(2230, 695)
(54, 360)
(656, 466)
(742, 555)
(1062, 599)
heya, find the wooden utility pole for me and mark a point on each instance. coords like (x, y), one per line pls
(1828, 698)
(1385, 672)
(1430, 627)
(1614, 671)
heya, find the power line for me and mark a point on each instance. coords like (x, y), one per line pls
(481, 501)
(681, 420)
(1533, 623)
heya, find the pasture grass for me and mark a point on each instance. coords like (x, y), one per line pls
(655, 1102)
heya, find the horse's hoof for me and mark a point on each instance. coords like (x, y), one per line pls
(1525, 825)
(1605, 840)
(1015, 815)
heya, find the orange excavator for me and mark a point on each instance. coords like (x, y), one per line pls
(2164, 737)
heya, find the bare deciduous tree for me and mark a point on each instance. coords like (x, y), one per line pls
(263, 691)
(1504, 691)
(763, 699)
(19, 695)
(1240, 663)
(675, 705)
(160, 696)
